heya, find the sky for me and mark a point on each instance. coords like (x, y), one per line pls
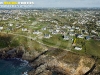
(62, 3)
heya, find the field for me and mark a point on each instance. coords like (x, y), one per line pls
(57, 41)
(10, 40)
(91, 47)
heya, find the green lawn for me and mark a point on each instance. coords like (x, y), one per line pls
(91, 47)
(56, 40)
(8, 40)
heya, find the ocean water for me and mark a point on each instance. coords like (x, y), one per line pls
(14, 67)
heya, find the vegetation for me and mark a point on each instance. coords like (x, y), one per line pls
(65, 56)
(56, 40)
(90, 47)
(8, 40)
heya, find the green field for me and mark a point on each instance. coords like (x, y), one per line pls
(57, 41)
(8, 40)
(90, 47)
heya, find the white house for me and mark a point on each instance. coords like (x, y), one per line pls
(36, 32)
(57, 30)
(72, 34)
(71, 30)
(64, 27)
(66, 37)
(69, 27)
(50, 30)
(73, 27)
(44, 28)
(93, 31)
(24, 29)
(98, 23)
(78, 48)
(80, 36)
(47, 36)
(54, 32)
(77, 28)
(1, 28)
(10, 24)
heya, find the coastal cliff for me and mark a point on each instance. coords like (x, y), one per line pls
(53, 61)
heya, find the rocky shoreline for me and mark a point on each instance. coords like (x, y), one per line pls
(49, 63)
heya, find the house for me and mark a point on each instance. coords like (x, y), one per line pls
(69, 27)
(10, 28)
(78, 48)
(93, 31)
(58, 27)
(71, 30)
(98, 23)
(1, 28)
(54, 32)
(36, 32)
(44, 28)
(97, 38)
(47, 35)
(18, 26)
(72, 34)
(64, 27)
(87, 37)
(41, 20)
(93, 36)
(10, 24)
(57, 30)
(80, 36)
(24, 29)
(77, 28)
(73, 27)
(50, 30)
(66, 37)
(86, 32)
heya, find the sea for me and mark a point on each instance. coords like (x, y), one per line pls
(14, 66)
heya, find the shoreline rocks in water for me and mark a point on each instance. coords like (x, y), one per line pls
(48, 62)
(11, 53)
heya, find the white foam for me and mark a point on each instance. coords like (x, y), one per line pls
(25, 73)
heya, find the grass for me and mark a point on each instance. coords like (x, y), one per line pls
(40, 25)
(70, 58)
(8, 40)
(65, 56)
(91, 47)
(56, 40)
(28, 43)
(55, 52)
(5, 40)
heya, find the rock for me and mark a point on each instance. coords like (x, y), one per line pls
(11, 53)
(44, 64)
